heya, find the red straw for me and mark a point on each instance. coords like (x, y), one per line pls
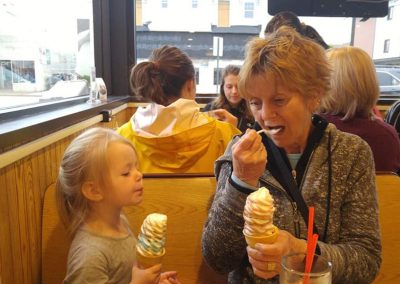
(310, 225)
(312, 240)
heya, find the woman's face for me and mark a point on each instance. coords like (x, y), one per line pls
(287, 113)
(231, 90)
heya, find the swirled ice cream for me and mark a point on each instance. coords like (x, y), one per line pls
(258, 216)
(152, 236)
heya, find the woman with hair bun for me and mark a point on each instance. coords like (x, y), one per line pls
(170, 134)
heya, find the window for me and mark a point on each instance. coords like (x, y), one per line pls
(195, 35)
(47, 46)
(249, 10)
(217, 75)
(164, 3)
(385, 79)
(194, 4)
(390, 13)
(386, 46)
(197, 75)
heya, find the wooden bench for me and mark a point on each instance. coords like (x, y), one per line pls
(388, 186)
(185, 200)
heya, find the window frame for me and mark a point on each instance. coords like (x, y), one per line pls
(114, 53)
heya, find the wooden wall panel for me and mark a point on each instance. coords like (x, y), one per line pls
(22, 187)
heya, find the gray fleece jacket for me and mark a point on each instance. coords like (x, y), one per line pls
(352, 241)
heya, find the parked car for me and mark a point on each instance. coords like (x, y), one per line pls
(389, 84)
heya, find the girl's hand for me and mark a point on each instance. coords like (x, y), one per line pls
(150, 275)
(223, 115)
(169, 277)
(249, 157)
(266, 258)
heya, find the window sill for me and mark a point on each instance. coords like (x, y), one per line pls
(22, 126)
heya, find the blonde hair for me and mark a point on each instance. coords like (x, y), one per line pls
(354, 84)
(299, 63)
(84, 160)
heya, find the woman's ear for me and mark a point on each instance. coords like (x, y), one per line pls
(315, 102)
(91, 191)
(189, 90)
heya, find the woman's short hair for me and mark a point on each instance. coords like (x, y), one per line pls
(84, 160)
(299, 63)
(354, 85)
(163, 76)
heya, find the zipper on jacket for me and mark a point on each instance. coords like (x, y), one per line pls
(296, 218)
(294, 176)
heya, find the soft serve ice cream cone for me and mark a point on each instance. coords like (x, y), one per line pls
(151, 241)
(258, 216)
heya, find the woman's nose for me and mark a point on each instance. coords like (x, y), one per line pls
(267, 112)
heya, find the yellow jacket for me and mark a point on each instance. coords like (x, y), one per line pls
(177, 138)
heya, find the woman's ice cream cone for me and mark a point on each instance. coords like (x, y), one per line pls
(258, 216)
(270, 239)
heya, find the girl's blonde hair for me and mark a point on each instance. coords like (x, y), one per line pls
(354, 84)
(84, 160)
(299, 63)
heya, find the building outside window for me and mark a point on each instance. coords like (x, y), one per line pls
(248, 10)
(44, 46)
(386, 46)
(390, 13)
(217, 75)
(194, 4)
(164, 3)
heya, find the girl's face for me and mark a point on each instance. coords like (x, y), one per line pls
(286, 112)
(231, 90)
(126, 181)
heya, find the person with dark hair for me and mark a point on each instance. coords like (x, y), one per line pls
(170, 134)
(287, 18)
(230, 99)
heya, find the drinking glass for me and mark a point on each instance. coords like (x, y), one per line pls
(293, 270)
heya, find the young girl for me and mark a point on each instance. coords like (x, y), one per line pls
(99, 176)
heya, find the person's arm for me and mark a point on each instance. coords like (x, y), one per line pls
(223, 243)
(357, 256)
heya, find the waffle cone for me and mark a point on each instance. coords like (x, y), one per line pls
(145, 261)
(253, 240)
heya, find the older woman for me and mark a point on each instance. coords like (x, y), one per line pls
(303, 161)
(350, 106)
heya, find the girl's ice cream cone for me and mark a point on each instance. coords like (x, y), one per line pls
(148, 261)
(150, 248)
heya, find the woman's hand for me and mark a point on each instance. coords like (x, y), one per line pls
(150, 275)
(169, 277)
(249, 157)
(266, 258)
(223, 115)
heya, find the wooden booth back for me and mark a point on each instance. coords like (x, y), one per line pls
(185, 200)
